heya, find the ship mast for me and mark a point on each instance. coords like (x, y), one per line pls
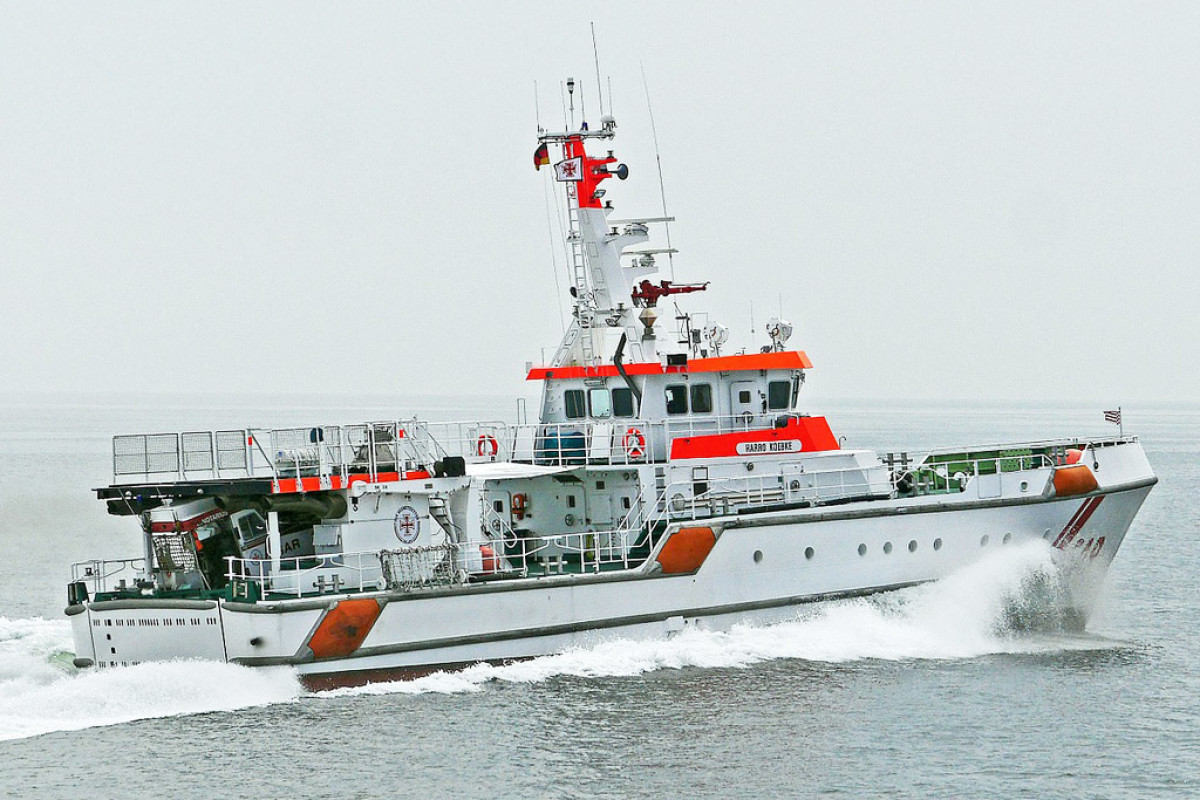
(602, 290)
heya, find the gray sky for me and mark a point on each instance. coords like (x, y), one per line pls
(954, 200)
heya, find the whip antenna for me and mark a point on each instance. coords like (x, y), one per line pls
(662, 192)
(537, 108)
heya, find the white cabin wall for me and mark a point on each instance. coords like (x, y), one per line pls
(370, 524)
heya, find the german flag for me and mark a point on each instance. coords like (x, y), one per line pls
(541, 156)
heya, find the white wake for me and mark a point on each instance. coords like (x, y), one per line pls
(966, 615)
(40, 691)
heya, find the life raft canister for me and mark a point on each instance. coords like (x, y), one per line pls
(634, 443)
(487, 446)
(488, 556)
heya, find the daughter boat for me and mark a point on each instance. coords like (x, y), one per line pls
(667, 484)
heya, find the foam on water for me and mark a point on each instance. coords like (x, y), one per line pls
(40, 691)
(966, 615)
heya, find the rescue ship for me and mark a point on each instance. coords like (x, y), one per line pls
(668, 483)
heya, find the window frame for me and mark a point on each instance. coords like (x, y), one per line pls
(580, 404)
(624, 391)
(786, 397)
(667, 392)
(705, 390)
(591, 407)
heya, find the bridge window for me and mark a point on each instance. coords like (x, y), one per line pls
(677, 399)
(702, 398)
(573, 401)
(622, 400)
(599, 403)
(779, 395)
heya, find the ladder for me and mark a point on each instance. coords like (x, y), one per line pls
(585, 311)
(424, 448)
(440, 511)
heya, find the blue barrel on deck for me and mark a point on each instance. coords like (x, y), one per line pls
(559, 449)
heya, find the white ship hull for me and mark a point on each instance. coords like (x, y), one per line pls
(760, 569)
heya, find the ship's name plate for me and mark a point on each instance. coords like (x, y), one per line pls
(769, 448)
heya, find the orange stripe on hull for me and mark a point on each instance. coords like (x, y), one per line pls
(686, 550)
(343, 628)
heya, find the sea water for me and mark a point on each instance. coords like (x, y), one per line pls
(926, 692)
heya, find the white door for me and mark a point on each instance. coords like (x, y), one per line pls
(744, 398)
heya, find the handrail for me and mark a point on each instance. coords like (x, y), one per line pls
(940, 477)
(724, 496)
(304, 575)
(290, 452)
(98, 573)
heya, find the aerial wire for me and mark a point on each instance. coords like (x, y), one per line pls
(662, 192)
(537, 106)
(562, 323)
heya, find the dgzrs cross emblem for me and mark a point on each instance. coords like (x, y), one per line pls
(407, 524)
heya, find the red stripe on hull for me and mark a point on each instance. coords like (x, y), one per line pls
(1075, 525)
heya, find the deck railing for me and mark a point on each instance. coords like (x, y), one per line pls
(950, 470)
(99, 575)
(381, 450)
(374, 451)
(622, 441)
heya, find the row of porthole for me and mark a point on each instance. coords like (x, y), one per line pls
(887, 547)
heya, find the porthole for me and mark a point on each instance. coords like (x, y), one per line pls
(758, 556)
(808, 553)
(983, 540)
(887, 547)
(862, 549)
(1024, 486)
(912, 546)
(937, 544)
(1007, 538)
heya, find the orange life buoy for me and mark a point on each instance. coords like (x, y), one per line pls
(634, 443)
(487, 447)
(518, 506)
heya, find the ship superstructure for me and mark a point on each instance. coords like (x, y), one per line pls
(667, 483)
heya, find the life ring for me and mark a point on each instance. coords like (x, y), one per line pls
(518, 506)
(634, 443)
(487, 446)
